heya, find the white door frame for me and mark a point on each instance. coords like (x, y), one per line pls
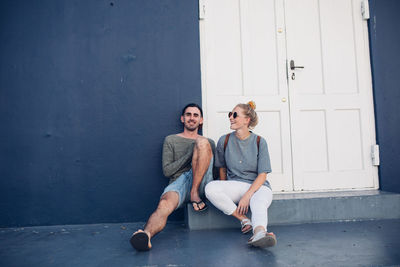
(365, 81)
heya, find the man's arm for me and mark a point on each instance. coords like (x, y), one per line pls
(170, 167)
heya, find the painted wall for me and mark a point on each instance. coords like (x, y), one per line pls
(88, 91)
(384, 28)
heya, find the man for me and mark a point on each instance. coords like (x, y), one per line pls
(187, 159)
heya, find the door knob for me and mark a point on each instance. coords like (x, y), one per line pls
(292, 66)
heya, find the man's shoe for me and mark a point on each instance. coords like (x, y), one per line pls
(140, 241)
(198, 205)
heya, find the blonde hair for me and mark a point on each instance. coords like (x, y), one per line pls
(249, 111)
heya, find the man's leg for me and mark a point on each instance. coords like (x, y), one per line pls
(157, 221)
(202, 154)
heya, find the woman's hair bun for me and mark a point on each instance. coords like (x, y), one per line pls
(252, 104)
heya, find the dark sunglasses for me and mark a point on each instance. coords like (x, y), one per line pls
(234, 114)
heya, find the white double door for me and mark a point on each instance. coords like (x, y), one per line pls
(318, 120)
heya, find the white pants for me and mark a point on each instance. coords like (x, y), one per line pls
(226, 194)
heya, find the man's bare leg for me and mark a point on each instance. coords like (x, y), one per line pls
(202, 155)
(157, 221)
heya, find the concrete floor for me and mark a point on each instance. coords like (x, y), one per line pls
(368, 243)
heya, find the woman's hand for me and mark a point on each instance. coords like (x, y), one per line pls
(243, 206)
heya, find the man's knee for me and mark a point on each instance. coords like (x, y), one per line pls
(168, 202)
(202, 143)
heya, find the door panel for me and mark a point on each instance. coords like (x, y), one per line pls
(337, 41)
(313, 146)
(223, 46)
(302, 22)
(347, 149)
(259, 57)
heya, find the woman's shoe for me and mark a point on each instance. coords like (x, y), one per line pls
(246, 226)
(262, 239)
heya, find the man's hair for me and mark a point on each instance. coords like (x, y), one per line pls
(192, 105)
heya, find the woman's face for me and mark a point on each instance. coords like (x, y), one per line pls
(238, 121)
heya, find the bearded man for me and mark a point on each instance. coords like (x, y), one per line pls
(187, 160)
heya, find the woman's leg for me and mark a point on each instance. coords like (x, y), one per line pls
(225, 194)
(259, 204)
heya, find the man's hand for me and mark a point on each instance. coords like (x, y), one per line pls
(243, 206)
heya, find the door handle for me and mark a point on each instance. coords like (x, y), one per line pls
(292, 66)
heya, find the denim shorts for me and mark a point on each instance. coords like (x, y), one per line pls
(183, 184)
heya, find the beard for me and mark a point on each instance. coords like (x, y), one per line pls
(190, 127)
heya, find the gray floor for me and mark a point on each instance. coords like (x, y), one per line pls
(368, 243)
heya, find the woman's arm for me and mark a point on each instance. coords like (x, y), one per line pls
(222, 173)
(258, 182)
(243, 206)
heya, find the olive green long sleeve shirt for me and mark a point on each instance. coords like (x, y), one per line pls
(177, 155)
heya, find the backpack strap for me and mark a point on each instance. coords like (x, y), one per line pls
(227, 138)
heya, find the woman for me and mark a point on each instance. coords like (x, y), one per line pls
(243, 160)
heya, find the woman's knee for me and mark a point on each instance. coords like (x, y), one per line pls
(261, 198)
(211, 189)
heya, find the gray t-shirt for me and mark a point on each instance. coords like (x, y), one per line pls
(243, 161)
(177, 155)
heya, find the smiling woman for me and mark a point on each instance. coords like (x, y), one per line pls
(244, 164)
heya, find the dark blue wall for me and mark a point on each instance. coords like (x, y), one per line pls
(88, 91)
(384, 28)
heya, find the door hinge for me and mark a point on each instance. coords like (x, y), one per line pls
(202, 9)
(365, 9)
(375, 155)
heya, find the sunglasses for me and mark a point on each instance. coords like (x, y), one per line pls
(234, 114)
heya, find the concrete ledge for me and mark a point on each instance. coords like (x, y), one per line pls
(298, 208)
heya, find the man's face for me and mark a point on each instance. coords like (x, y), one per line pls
(192, 119)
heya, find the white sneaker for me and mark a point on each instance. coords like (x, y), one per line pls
(262, 239)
